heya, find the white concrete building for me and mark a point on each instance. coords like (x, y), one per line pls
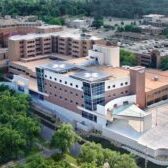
(106, 55)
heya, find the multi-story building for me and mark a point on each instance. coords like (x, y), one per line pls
(149, 53)
(94, 92)
(14, 28)
(32, 45)
(156, 20)
(21, 26)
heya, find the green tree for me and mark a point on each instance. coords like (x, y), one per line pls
(94, 153)
(127, 58)
(11, 141)
(40, 162)
(98, 22)
(91, 152)
(29, 127)
(164, 63)
(18, 129)
(89, 165)
(64, 138)
(126, 161)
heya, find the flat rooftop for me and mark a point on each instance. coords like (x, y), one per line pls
(71, 33)
(82, 67)
(33, 64)
(162, 79)
(49, 26)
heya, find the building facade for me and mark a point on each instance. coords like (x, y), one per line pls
(32, 45)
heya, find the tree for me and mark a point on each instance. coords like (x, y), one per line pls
(94, 154)
(98, 22)
(126, 161)
(11, 141)
(28, 127)
(127, 58)
(18, 129)
(164, 63)
(91, 152)
(64, 138)
(89, 165)
(39, 161)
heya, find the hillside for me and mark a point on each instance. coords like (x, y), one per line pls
(117, 8)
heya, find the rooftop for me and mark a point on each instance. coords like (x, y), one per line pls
(48, 26)
(154, 15)
(130, 110)
(151, 84)
(31, 65)
(71, 33)
(147, 46)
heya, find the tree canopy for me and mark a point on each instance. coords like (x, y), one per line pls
(40, 162)
(55, 8)
(127, 58)
(94, 154)
(164, 63)
(64, 138)
(18, 129)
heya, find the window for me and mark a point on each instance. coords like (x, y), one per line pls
(60, 97)
(55, 79)
(76, 86)
(50, 85)
(71, 84)
(108, 87)
(65, 82)
(89, 116)
(65, 99)
(126, 83)
(55, 87)
(113, 86)
(45, 76)
(76, 103)
(55, 95)
(71, 101)
(60, 81)
(60, 89)
(65, 90)
(50, 77)
(71, 92)
(76, 94)
(121, 84)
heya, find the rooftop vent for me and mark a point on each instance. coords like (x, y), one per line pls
(156, 78)
(59, 66)
(91, 75)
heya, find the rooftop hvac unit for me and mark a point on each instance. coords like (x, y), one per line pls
(156, 78)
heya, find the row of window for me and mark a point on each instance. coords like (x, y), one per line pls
(114, 94)
(121, 84)
(76, 94)
(60, 81)
(61, 98)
